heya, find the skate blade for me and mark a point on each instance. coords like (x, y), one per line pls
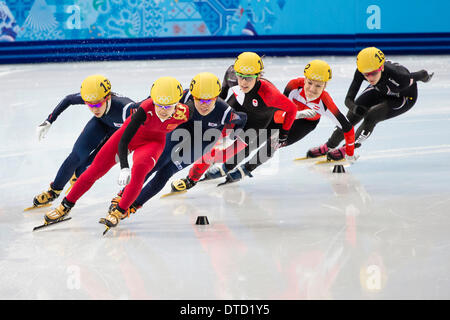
(37, 207)
(50, 224)
(226, 182)
(106, 230)
(106, 223)
(173, 194)
(308, 158)
(330, 161)
(210, 179)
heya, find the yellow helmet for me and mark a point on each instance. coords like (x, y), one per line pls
(318, 70)
(95, 88)
(166, 91)
(369, 59)
(248, 63)
(205, 85)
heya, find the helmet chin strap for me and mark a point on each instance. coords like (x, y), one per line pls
(162, 120)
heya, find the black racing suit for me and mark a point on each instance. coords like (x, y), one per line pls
(260, 104)
(394, 94)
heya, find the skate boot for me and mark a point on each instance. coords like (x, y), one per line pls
(60, 213)
(131, 210)
(238, 173)
(317, 151)
(422, 75)
(216, 172)
(115, 201)
(72, 182)
(113, 218)
(428, 77)
(46, 197)
(182, 184)
(336, 154)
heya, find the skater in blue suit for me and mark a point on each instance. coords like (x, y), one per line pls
(110, 111)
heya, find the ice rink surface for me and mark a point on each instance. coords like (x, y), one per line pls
(294, 231)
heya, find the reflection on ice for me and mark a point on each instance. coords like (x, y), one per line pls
(294, 231)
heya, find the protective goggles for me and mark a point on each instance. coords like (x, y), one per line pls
(246, 77)
(166, 106)
(204, 101)
(372, 73)
(96, 105)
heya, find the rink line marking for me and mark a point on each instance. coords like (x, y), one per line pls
(424, 120)
(410, 120)
(375, 234)
(399, 155)
(405, 217)
(405, 152)
(9, 72)
(333, 208)
(19, 154)
(414, 148)
(17, 104)
(23, 182)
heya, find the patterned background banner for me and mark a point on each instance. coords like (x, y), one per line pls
(29, 20)
(93, 30)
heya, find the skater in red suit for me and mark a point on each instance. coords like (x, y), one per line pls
(148, 127)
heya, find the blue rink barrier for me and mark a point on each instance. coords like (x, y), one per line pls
(211, 47)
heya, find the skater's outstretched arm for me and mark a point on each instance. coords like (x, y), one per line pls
(69, 100)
